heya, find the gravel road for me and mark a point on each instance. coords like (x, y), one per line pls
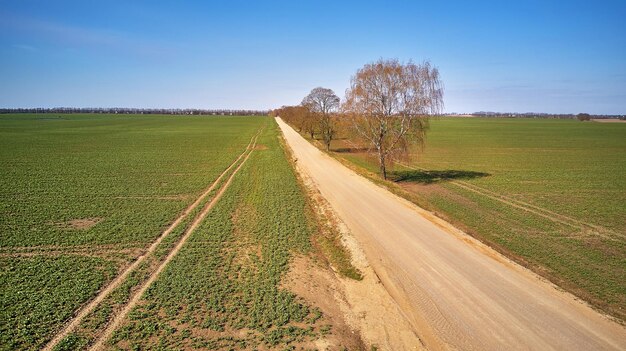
(457, 293)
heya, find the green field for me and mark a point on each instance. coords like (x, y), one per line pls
(83, 196)
(131, 174)
(227, 276)
(549, 193)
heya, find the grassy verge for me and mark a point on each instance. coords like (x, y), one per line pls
(327, 238)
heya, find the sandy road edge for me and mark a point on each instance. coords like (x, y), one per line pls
(93, 303)
(121, 315)
(363, 304)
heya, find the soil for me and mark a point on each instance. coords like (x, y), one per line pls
(612, 120)
(79, 223)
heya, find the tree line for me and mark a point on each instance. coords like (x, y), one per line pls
(580, 116)
(387, 108)
(147, 111)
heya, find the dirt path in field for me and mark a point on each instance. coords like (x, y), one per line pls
(534, 209)
(359, 305)
(91, 305)
(457, 293)
(120, 317)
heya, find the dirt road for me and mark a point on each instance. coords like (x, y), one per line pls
(456, 292)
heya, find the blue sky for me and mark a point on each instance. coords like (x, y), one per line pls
(522, 56)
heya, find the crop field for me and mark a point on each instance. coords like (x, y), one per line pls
(151, 232)
(234, 262)
(548, 193)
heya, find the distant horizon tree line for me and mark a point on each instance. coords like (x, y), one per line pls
(130, 110)
(578, 116)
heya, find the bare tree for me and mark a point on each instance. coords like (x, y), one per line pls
(390, 102)
(322, 102)
(297, 116)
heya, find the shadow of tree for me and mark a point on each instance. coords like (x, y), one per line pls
(428, 177)
(349, 150)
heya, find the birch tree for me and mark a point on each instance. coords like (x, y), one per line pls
(390, 104)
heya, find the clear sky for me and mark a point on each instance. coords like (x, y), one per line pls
(518, 56)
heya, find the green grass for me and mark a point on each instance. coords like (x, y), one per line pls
(39, 293)
(222, 290)
(135, 174)
(132, 172)
(573, 168)
(568, 167)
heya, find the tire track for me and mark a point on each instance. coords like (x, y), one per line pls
(554, 215)
(91, 305)
(119, 318)
(534, 209)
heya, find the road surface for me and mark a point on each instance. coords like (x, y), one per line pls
(457, 293)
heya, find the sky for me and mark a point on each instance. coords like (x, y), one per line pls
(505, 56)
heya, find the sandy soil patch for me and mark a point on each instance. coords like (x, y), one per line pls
(79, 223)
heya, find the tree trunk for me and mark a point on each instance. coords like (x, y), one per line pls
(383, 167)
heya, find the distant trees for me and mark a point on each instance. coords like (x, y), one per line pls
(313, 115)
(298, 116)
(132, 110)
(321, 103)
(583, 117)
(389, 104)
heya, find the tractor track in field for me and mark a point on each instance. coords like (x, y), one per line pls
(534, 209)
(525, 206)
(82, 312)
(121, 315)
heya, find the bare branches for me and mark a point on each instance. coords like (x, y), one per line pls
(390, 102)
(298, 116)
(321, 102)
